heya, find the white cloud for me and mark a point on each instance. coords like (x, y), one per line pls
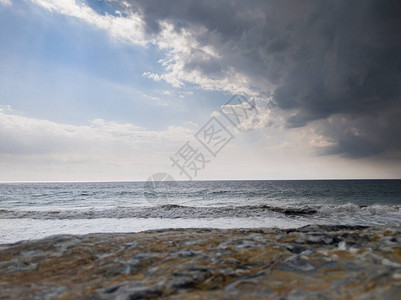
(34, 149)
(126, 29)
(98, 131)
(5, 2)
(153, 76)
(180, 47)
(156, 100)
(115, 146)
(5, 108)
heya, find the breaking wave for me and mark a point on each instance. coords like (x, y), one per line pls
(188, 212)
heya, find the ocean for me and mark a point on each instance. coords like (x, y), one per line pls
(36, 210)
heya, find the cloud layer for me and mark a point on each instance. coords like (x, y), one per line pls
(102, 149)
(331, 65)
(337, 62)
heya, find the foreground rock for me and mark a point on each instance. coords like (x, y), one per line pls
(314, 262)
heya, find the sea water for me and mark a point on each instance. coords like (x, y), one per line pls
(36, 210)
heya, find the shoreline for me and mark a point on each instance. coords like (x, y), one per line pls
(315, 261)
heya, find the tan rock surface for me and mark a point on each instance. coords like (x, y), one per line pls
(314, 262)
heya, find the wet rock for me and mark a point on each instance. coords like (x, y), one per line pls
(129, 291)
(296, 263)
(320, 239)
(187, 278)
(296, 249)
(187, 253)
(307, 295)
(327, 228)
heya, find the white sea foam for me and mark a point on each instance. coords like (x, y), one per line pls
(184, 212)
(13, 230)
(350, 209)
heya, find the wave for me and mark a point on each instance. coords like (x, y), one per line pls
(361, 209)
(186, 212)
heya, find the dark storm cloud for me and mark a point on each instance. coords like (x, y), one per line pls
(338, 59)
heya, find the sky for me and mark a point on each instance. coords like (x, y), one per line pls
(106, 90)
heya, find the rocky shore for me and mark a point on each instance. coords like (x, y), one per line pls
(313, 262)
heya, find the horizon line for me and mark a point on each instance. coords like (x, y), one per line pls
(202, 180)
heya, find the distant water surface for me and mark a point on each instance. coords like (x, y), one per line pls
(34, 210)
